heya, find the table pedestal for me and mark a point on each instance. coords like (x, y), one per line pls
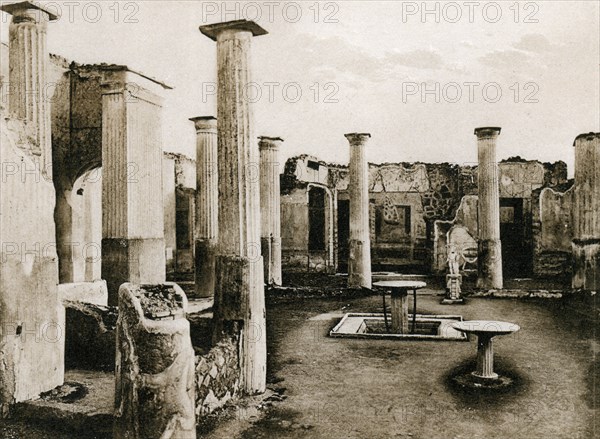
(399, 311)
(485, 358)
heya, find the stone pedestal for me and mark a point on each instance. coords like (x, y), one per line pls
(453, 289)
(586, 213)
(133, 247)
(485, 358)
(399, 311)
(239, 288)
(31, 312)
(154, 365)
(489, 258)
(359, 261)
(270, 208)
(207, 204)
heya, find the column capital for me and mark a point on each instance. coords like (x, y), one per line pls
(212, 31)
(28, 11)
(205, 123)
(587, 136)
(357, 139)
(487, 132)
(265, 142)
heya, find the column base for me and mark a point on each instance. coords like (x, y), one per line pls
(490, 377)
(586, 264)
(489, 264)
(446, 301)
(359, 264)
(139, 261)
(206, 251)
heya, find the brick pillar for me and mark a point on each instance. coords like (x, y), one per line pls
(133, 248)
(586, 213)
(207, 204)
(270, 207)
(359, 262)
(239, 287)
(490, 249)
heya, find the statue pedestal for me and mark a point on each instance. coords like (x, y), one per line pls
(453, 291)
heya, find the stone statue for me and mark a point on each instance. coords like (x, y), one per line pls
(453, 278)
(453, 257)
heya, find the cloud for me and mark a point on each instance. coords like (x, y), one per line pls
(505, 59)
(534, 43)
(420, 59)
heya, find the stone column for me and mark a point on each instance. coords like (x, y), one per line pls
(207, 204)
(586, 213)
(133, 248)
(270, 208)
(29, 60)
(32, 316)
(239, 287)
(359, 262)
(154, 364)
(489, 259)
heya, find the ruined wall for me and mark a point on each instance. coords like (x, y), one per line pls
(179, 188)
(553, 231)
(294, 228)
(519, 180)
(168, 178)
(461, 232)
(76, 121)
(86, 207)
(217, 376)
(430, 194)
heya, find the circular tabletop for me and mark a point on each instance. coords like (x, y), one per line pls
(486, 327)
(405, 284)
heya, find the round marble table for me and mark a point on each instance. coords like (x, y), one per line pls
(485, 330)
(399, 292)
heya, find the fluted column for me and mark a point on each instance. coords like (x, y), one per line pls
(32, 315)
(270, 208)
(133, 248)
(359, 262)
(586, 213)
(490, 248)
(239, 287)
(28, 58)
(485, 357)
(207, 204)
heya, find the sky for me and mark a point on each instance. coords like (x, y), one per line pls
(419, 77)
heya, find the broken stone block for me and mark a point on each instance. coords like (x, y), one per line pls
(155, 389)
(90, 292)
(90, 336)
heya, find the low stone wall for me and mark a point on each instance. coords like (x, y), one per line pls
(90, 336)
(95, 292)
(217, 376)
(553, 264)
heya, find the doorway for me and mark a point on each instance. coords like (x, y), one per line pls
(516, 250)
(343, 227)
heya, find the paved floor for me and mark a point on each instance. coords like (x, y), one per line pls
(341, 388)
